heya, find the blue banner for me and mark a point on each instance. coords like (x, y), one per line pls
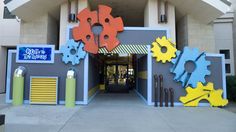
(35, 54)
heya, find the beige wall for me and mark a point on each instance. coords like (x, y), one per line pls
(224, 41)
(195, 34)
(43, 30)
(151, 18)
(34, 32)
(64, 17)
(201, 35)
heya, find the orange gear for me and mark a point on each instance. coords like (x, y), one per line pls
(84, 30)
(107, 38)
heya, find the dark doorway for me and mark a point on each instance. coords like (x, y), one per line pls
(117, 78)
(117, 72)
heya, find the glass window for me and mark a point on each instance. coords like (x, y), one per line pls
(7, 14)
(226, 53)
(227, 68)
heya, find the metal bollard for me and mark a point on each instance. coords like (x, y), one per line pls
(161, 90)
(156, 90)
(166, 97)
(70, 88)
(18, 86)
(2, 123)
(171, 97)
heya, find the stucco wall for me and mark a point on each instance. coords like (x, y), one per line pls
(151, 18)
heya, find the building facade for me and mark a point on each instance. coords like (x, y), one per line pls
(50, 22)
(9, 37)
(224, 33)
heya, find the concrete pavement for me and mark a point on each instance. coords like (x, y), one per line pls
(117, 113)
(231, 107)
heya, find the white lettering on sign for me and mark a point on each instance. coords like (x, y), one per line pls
(34, 54)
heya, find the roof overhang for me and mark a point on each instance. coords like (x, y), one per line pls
(204, 10)
(31, 9)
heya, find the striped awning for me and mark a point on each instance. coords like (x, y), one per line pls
(126, 49)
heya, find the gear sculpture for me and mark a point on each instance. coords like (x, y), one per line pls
(194, 96)
(107, 38)
(72, 52)
(198, 74)
(166, 44)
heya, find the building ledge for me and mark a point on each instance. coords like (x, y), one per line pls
(205, 11)
(31, 9)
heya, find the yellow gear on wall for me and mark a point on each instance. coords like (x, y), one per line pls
(201, 92)
(158, 52)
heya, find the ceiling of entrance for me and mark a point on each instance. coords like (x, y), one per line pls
(131, 11)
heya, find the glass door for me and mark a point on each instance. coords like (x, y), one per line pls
(116, 78)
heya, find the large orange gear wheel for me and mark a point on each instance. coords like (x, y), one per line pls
(107, 38)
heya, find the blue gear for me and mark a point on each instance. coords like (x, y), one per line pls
(200, 71)
(72, 52)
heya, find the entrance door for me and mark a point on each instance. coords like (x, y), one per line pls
(117, 78)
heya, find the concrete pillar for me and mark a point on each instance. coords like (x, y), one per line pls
(151, 18)
(64, 24)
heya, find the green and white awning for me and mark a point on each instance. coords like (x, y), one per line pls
(126, 49)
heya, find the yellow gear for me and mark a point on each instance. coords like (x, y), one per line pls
(157, 50)
(195, 95)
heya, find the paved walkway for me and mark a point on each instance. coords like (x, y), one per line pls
(117, 113)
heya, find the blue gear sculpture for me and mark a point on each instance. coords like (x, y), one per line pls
(200, 71)
(72, 52)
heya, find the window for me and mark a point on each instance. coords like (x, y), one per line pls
(226, 53)
(227, 68)
(7, 14)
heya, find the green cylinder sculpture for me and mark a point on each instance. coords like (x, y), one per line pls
(70, 92)
(18, 86)
(18, 90)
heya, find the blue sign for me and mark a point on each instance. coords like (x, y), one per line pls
(35, 54)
